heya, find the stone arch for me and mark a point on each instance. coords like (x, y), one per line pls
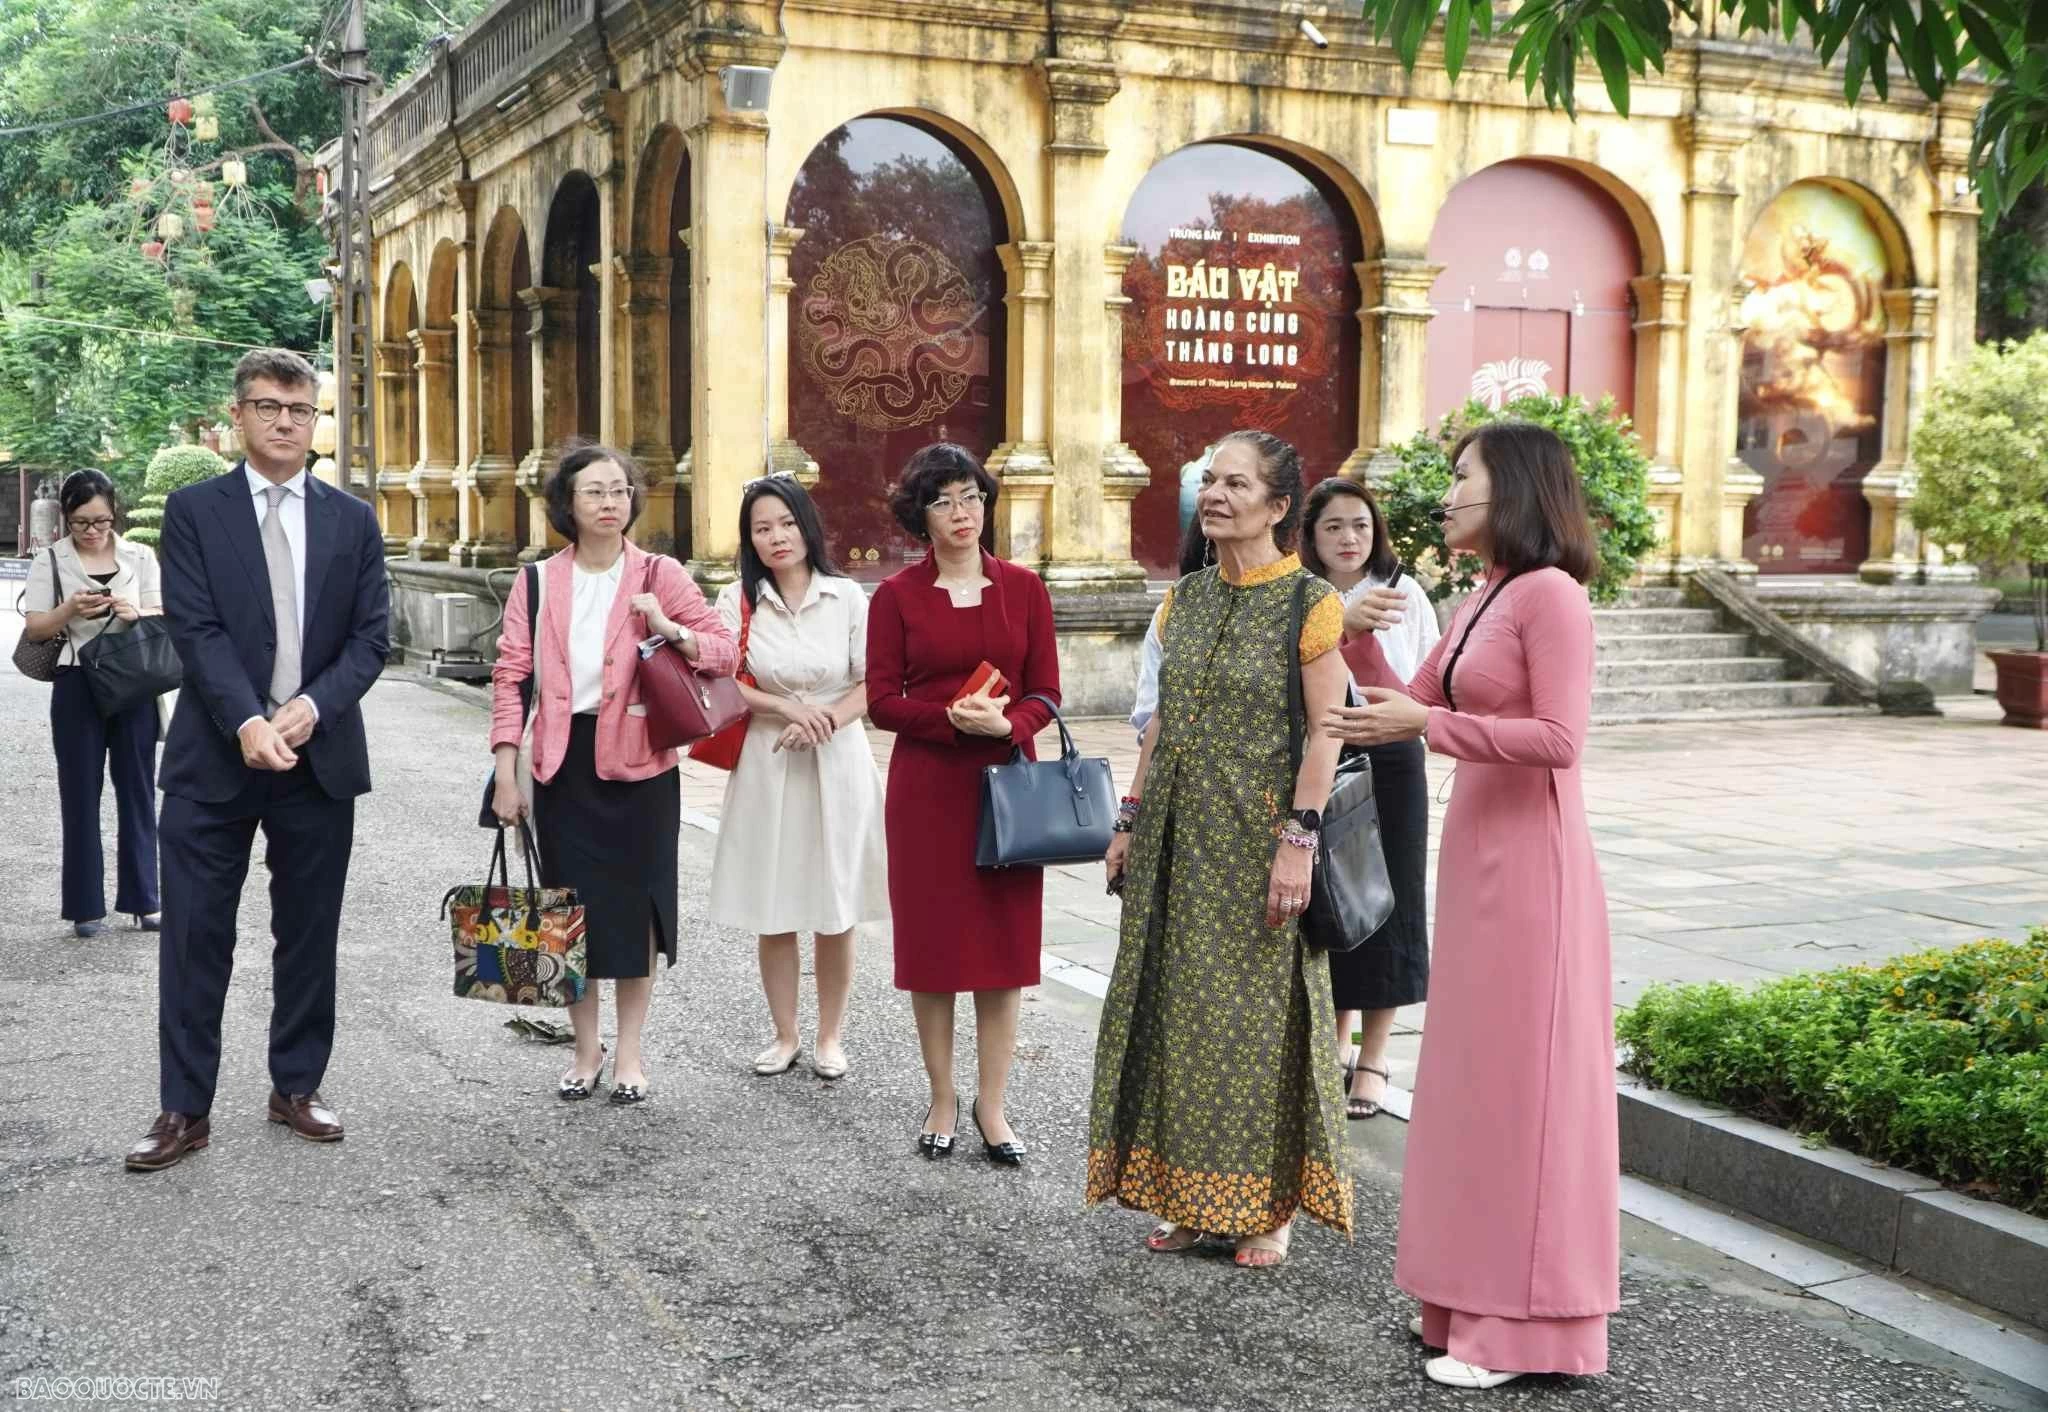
(1273, 338)
(1001, 185)
(892, 310)
(663, 164)
(1826, 272)
(397, 405)
(436, 510)
(566, 306)
(1541, 265)
(495, 519)
(504, 244)
(657, 330)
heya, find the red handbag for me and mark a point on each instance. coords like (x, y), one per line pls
(722, 751)
(683, 704)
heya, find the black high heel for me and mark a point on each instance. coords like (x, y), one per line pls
(149, 921)
(933, 1146)
(1003, 1154)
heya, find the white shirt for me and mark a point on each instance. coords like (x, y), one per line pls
(591, 614)
(1408, 642)
(291, 512)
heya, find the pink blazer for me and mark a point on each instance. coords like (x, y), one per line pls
(622, 749)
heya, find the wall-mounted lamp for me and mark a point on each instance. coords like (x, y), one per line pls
(746, 87)
(1312, 34)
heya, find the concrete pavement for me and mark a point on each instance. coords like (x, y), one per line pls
(737, 1242)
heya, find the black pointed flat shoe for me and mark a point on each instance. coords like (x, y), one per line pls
(1003, 1154)
(933, 1146)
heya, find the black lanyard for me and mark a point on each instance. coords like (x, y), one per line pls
(1470, 623)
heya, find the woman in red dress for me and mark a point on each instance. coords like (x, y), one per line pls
(958, 927)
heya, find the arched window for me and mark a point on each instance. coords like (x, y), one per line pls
(1243, 313)
(896, 334)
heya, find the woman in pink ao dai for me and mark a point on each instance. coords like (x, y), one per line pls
(1510, 1221)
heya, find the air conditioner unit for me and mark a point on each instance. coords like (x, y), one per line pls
(457, 622)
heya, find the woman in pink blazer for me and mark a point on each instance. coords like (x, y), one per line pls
(606, 806)
(1510, 1197)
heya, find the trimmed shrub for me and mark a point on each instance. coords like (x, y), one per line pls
(1612, 467)
(1936, 1061)
(172, 468)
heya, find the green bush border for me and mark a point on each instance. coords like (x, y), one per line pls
(1936, 1061)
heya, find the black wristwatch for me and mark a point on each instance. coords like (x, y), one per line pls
(1311, 820)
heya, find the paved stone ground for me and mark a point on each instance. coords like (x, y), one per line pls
(737, 1242)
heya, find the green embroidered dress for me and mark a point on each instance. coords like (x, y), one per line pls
(1217, 1099)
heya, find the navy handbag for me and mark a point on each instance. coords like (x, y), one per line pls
(1040, 813)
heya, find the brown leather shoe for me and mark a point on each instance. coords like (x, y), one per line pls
(170, 1137)
(307, 1115)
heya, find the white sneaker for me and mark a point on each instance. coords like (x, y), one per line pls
(1451, 1372)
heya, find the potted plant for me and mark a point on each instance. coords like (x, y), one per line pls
(1981, 453)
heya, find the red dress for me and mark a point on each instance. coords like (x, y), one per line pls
(958, 927)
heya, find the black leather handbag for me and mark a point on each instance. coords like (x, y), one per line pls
(1041, 813)
(1351, 894)
(124, 669)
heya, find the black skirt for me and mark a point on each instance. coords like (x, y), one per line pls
(614, 841)
(1392, 967)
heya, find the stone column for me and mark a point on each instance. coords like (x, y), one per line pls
(1124, 472)
(485, 487)
(1023, 463)
(1400, 288)
(1956, 216)
(553, 312)
(1660, 408)
(1909, 319)
(785, 457)
(1717, 487)
(436, 519)
(1083, 421)
(1365, 463)
(644, 282)
(394, 444)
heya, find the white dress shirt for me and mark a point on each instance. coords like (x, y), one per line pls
(291, 513)
(587, 622)
(1406, 643)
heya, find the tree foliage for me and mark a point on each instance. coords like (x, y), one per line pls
(1981, 454)
(1933, 41)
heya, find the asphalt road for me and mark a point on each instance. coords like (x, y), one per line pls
(734, 1243)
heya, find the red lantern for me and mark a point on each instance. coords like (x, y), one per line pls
(202, 217)
(153, 250)
(179, 111)
(202, 193)
(138, 189)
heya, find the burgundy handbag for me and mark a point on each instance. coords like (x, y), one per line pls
(683, 704)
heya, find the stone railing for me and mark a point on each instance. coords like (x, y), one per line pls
(1807, 657)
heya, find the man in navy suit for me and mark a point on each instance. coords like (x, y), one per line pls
(275, 593)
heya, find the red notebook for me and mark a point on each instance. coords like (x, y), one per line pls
(983, 675)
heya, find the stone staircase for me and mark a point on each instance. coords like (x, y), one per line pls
(1663, 659)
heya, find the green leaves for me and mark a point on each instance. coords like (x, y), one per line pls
(1936, 43)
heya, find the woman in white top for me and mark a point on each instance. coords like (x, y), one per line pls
(1347, 543)
(93, 581)
(1196, 554)
(800, 842)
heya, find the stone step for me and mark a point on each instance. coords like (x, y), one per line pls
(1621, 622)
(1688, 671)
(1631, 647)
(1746, 696)
(1650, 598)
(1715, 716)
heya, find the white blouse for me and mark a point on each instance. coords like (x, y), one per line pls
(595, 594)
(1408, 642)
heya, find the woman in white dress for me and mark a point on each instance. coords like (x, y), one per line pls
(800, 844)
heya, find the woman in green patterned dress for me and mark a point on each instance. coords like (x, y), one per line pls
(1217, 1102)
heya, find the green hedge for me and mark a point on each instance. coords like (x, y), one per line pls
(175, 467)
(1936, 1061)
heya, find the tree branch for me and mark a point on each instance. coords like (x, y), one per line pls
(302, 165)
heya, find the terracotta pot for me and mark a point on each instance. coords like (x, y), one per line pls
(2023, 687)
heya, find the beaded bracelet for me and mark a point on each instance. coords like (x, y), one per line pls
(1293, 833)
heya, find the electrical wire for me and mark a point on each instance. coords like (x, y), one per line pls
(19, 313)
(61, 124)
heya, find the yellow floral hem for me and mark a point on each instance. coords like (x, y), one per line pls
(1221, 1203)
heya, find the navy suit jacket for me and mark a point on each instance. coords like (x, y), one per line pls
(217, 606)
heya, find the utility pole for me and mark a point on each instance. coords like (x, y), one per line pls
(355, 380)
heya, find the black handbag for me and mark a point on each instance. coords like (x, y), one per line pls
(1041, 813)
(1351, 894)
(124, 669)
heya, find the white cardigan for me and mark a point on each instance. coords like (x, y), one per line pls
(135, 579)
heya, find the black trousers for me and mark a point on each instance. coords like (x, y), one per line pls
(307, 841)
(88, 750)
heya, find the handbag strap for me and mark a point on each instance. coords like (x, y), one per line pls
(1068, 750)
(746, 627)
(529, 689)
(1296, 711)
(1451, 664)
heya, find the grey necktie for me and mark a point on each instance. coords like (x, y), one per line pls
(284, 600)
